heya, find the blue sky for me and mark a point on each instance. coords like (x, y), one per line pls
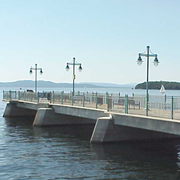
(104, 35)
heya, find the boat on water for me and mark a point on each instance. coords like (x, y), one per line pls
(162, 90)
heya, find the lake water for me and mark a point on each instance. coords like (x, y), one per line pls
(123, 91)
(28, 153)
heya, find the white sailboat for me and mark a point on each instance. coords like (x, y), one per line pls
(162, 90)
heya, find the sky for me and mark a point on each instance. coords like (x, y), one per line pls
(106, 36)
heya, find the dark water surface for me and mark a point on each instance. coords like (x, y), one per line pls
(65, 153)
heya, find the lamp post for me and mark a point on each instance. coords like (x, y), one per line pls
(36, 69)
(74, 63)
(139, 62)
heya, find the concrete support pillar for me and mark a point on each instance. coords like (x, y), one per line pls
(104, 131)
(47, 117)
(12, 110)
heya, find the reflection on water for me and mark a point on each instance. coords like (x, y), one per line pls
(65, 153)
(80, 131)
(144, 161)
(19, 121)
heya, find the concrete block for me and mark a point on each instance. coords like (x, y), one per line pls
(48, 117)
(104, 131)
(12, 110)
(107, 131)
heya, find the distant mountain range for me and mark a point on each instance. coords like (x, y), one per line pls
(30, 83)
(110, 84)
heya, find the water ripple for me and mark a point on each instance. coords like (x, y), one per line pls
(28, 153)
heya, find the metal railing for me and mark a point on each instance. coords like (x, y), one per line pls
(159, 106)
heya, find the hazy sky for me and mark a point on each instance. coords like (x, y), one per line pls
(104, 35)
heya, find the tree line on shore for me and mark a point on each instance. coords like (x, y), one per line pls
(157, 85)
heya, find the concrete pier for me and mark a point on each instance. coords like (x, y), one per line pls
(12, 110)
(105, 131)
(48, 117)
(108, 126)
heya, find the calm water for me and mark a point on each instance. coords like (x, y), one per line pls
(65, 153)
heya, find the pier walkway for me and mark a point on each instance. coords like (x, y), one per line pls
(115, 118)
(159, 106)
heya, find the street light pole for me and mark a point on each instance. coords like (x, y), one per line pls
(149, 54)
(147, 82)
(74, 76)
(35, 77)
(36, 69)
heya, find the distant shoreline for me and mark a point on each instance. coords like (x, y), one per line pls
(156, 85)
(49, 84)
